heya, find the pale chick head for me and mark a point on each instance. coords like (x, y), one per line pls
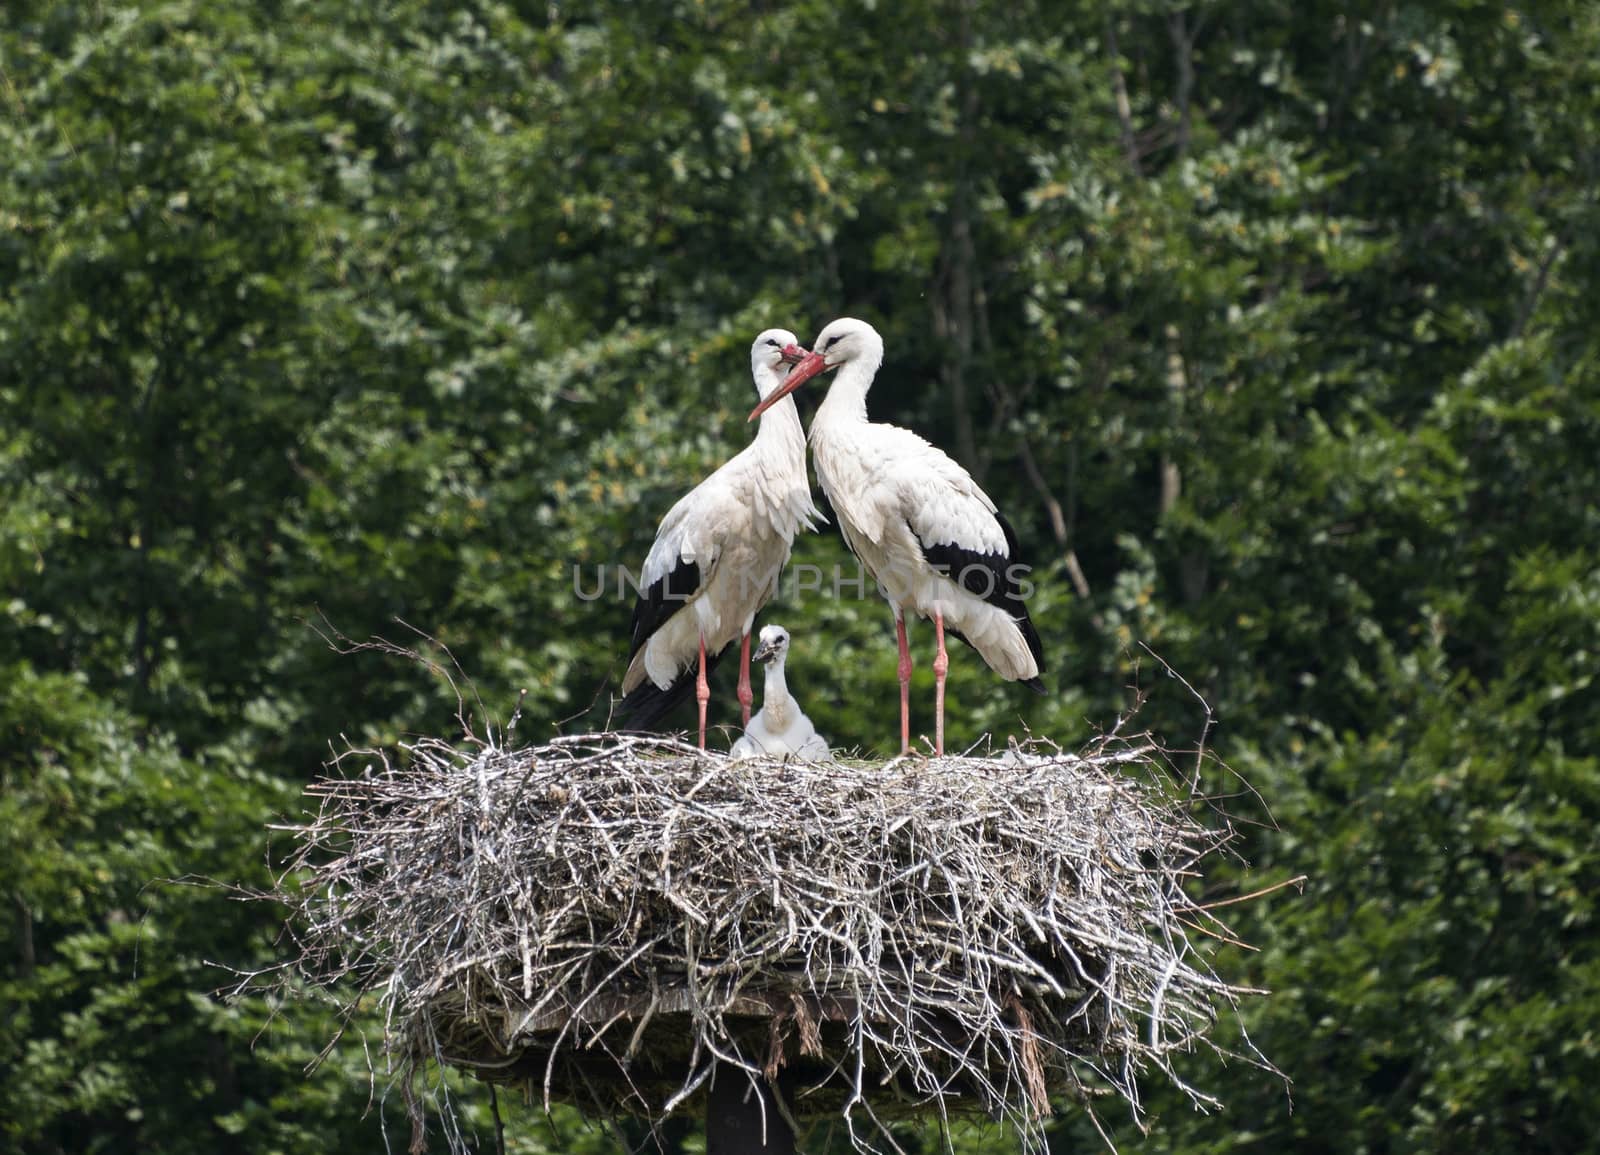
(774, 645)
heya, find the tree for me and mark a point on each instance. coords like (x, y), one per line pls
(1273, 323)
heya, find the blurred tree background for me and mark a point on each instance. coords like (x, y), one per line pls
(1274, 323)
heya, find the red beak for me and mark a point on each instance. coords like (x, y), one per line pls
(809, 366)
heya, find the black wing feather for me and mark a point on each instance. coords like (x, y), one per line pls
(666, 597)
(649, 704)
(992, 577)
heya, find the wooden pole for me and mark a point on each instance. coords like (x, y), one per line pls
(664, 1138)
(735, 1109)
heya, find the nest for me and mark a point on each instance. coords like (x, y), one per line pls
(605, 919)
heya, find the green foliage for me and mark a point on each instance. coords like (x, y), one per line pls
(112, 1037)
(1273, 324)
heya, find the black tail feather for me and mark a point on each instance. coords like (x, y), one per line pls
(648, 705)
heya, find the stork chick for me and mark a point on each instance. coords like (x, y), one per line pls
(780, 729)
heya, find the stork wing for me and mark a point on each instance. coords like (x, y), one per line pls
(964, 536)
(680, 561)
(914, 481)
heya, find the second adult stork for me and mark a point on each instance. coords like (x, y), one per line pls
(919, 523)
(718, 555)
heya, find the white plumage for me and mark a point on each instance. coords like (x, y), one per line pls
(780, 729)
(719, 552)
(920, 524)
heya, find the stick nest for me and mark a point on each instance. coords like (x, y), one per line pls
(606, 918)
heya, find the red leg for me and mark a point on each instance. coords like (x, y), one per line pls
(745, 696)
(941, 666)
(702, 691)
(905, 684)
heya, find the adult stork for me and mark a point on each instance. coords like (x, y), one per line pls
(718, 555)
(919, 523)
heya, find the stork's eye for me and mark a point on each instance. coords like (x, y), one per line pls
(832, 341)
(773, 341)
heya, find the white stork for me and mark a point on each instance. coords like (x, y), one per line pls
(718, 555)
(781, 729)
(920, 525)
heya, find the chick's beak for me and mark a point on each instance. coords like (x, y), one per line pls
(764, 651)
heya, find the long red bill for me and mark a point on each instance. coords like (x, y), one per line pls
(810, 365)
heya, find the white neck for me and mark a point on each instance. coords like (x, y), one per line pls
(780, 425)
(847, 396)
(775, 695)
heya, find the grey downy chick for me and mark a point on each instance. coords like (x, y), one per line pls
(780, 729)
